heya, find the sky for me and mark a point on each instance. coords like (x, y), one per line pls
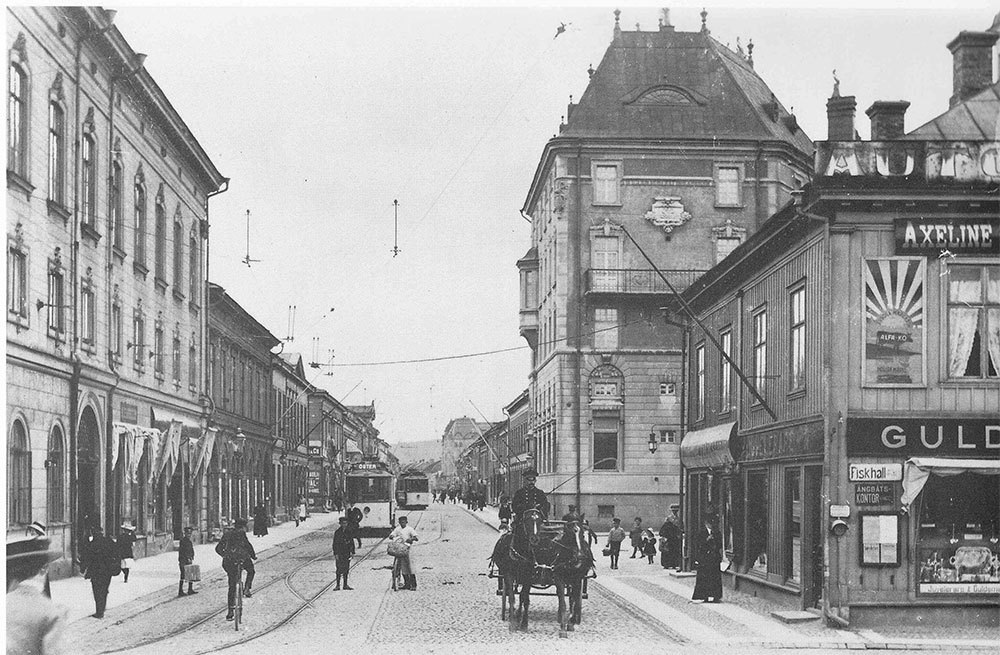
(324, 115)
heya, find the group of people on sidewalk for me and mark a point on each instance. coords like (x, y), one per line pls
(644, 541)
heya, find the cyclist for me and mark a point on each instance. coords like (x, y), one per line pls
(236, 550)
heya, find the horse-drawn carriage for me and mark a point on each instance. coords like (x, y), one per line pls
(536, 555)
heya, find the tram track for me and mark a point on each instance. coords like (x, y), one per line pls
(303, 601)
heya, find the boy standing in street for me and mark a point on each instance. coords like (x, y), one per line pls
(343, 549)
(185, 556)
(615, 538)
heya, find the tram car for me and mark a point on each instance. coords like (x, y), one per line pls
(413, 490)
(371, 490)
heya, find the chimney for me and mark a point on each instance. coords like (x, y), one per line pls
(840, 118)
(972, 63)
(887, 119)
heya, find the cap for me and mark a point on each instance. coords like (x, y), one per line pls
(188, 529)
(530, 473)
(674, 506)
(39, 527)
(617, 520)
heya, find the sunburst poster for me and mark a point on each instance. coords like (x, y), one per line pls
(894, 300)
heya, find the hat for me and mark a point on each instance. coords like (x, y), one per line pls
(188, 529)
(127, 525)
(616, 520)
(674, 506)
(530, 473)
(39, 527)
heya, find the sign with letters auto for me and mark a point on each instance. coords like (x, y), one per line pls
(958, 235)
(927, 437)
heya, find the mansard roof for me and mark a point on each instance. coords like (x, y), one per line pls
(687, 85)
(975, 119)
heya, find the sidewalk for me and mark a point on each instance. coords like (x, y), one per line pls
(158, 572)
(665, 597)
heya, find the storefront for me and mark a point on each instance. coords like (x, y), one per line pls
(708, 461)
(927, 497)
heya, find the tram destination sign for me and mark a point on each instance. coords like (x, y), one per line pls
(874, 493)
(908, 437)
(972, 236)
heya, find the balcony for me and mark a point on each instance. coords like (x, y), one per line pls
(528, 327)
(638, 282)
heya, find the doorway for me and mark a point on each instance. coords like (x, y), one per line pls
(88, 512)
(812, 580)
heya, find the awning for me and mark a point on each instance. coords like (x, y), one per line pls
(918, 469)
(708, 448)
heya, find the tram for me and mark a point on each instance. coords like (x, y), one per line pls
(413, 491)
(371, 489)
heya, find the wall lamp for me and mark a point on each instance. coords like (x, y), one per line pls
(653, 442)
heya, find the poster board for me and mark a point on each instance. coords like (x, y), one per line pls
(893, 300)
(879, 539)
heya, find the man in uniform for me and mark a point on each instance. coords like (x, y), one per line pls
(529, 496)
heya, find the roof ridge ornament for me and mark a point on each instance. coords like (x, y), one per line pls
(618, 27)
(704, 17)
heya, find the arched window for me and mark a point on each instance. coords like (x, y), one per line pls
(57, 154)
(160, 254)
(194, 270)
(178, 254)
(115, 206)
(88, 180)
(18, 475)
(17, 120)
(140, 221)
(54, 476)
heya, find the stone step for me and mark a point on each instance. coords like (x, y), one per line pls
(794, 616)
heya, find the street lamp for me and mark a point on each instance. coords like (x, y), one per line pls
(653, 442)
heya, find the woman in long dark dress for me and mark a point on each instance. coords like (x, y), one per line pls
(260, 520)
(708, 557)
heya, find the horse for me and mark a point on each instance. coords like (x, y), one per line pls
(571, 566)
(514, 557)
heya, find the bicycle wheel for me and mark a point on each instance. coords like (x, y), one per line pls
(238, 610)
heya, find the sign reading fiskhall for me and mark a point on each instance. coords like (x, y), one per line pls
(907, 437)
(924, 236)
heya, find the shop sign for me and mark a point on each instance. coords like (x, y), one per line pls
(840, 511)
(874, 472)
(797, 441)
(129, 413)
(960, 235)
(315, 450)
(874, 493)
(893, 302)
(991, 588)
(908, 437)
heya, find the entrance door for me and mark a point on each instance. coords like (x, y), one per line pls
(812, 578)
(88, 512)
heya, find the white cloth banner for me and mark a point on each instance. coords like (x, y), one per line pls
(918, 469)
(205, 448)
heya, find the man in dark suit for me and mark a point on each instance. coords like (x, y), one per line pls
(99, 561)
(343, 549)
(529, 496)
(236, 549)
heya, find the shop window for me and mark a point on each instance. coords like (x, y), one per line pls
(793, 525)
(957, 535)
(973, 321)
(726, 516)
(757, 522)
(607, 433)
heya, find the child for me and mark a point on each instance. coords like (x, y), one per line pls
(649, 544)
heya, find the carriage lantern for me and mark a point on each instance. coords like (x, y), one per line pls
(652, 442)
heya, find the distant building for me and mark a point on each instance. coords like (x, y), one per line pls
(458, 434)
(855, 465)
(678, 144)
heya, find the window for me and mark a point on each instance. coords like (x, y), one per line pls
(668, 436)
(88, 182)
(18, 476)
(605, 328)
(727, 186)
(17, 114)
(973, 321)
(88, 312)
(54, 480)
(793, 526)
(116, 331)
(605, 178)
(194, 270)
(138, 340)
(56, 301)
(760, 350)
(757, 525)
(726, 372)
(160, 253)
(57, 154)
(668, 388)
(158, 348)
(115, 207)
(178, 256)
(699, 382)
(606, 439)
(797, 339)
(17, 282)
(139, 226)
(604, 262)
(177, 360)
(193, 366)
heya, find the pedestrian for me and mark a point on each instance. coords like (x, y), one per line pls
(343, 549)
(587, 530)
(571, 515)
(354, 516)
(708, 557)
(125, 542)
(100, 562)
(648, 544)
(672, 534)
(34, 623)
(635, 537)
(260, 520)
(185, 556)
(615, 538)
(407, 535)
(236, 549)
(302, 515)
(504, 512)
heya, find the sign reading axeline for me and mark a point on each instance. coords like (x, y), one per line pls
(956, 235)
(907, 437)
(874, 472)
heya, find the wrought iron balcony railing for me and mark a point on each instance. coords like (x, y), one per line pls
(638, 281)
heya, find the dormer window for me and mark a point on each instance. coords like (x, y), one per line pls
(665, 95)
